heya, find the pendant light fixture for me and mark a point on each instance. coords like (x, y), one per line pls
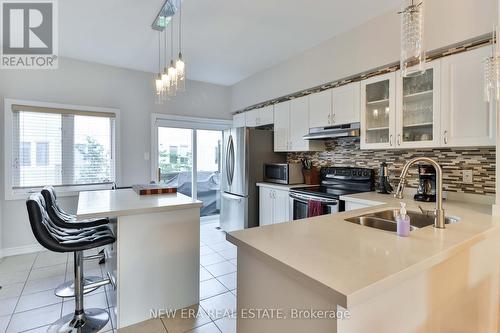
(180, 65)
(412, 38)
(492, 72)
(173, 77)
(159, 87)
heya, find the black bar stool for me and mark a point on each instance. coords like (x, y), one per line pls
(67, 221)
(49, 236)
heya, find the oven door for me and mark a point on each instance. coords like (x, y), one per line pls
(299, 203)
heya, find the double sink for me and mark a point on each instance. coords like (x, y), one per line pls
(386, 220)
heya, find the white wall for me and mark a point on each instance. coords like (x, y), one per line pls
(368, 46)
(82, 83)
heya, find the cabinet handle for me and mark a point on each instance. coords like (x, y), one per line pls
(329, 118)
(399, 140)
(390, 140)
(333, 118)
(445, 137)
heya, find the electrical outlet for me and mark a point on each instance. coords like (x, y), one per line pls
(467, 176)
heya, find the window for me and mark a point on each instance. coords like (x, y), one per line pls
(25, 154)
(74, 148)
(42, 153)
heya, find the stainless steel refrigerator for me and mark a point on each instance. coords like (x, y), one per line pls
(244, 153)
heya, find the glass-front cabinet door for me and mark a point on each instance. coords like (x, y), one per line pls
(378, 112)
(417, 115)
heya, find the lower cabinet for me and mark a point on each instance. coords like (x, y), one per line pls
(274, 206)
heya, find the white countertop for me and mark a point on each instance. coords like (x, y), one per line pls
(283, 187)
(356, 262)
(92, 204)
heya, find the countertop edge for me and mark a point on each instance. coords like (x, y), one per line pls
(282, 187)
(137, 211)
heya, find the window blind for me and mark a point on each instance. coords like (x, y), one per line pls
(62, 147)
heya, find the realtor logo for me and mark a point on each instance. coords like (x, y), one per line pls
(29, 34)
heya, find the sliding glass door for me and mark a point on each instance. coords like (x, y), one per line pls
(175, 158)
(190, 159)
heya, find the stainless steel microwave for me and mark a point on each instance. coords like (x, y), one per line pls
(283, 173)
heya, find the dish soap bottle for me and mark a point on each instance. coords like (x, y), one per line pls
(403, 221)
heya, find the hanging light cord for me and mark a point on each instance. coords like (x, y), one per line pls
(165, 48)
(159, 51)
(180, 26)
(172, 39)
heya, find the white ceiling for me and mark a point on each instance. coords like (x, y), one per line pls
(225, 41)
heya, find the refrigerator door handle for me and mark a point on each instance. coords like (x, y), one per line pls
(230, 161)
(232, 196)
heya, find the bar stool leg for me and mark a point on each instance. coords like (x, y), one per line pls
(81, 321)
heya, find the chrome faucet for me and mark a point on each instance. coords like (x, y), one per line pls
(439, 219)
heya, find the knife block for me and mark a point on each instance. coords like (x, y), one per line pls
(311, 177)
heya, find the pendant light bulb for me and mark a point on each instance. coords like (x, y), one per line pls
(172, 72)
(180, 66)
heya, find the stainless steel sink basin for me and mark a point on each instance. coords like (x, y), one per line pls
(386, 220)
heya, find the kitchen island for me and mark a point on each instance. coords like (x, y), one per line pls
(436, 280)
(156, 256)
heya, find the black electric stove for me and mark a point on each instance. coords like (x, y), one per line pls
(335, 182)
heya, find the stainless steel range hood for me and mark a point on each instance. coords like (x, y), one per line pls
(339, 131)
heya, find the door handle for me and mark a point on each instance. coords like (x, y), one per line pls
(329, 118)
(232, 196)
(445, 137)
(230, 161)
(399, 140)
(390, 140)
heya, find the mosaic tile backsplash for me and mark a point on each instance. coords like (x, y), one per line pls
(346, 152)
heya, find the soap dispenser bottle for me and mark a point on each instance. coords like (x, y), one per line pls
(403, 222)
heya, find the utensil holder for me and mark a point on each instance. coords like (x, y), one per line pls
(311, 177)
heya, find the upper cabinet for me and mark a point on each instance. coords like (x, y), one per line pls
(346, 104)
(335, 106)
(291, 124)
(466, 119)
(444, 107)
(239, 120)
(418, 108)
(281, 126)
(321, 109)
(260, 117)
(378, 112)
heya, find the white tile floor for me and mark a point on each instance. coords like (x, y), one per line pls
(28, 304)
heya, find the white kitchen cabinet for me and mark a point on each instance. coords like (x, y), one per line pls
(320, 108)
(266, 115)
(466, 119)
(274, 206)
(281, 126)
(335, 106)
(281, 206)
(239, 120)
(349, 205)
(418, 107)
(378, 112)
(291, 119)
(266, 206)
(299, 120)
(346, 104)
(252, 118)
(259, 117)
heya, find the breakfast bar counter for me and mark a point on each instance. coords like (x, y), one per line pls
(385, 282)
(156, 256)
